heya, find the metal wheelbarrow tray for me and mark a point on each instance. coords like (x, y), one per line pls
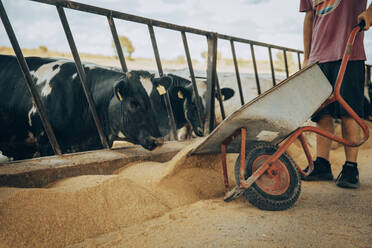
(273, 115)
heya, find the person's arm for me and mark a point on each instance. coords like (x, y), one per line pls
(308, 31)
(367, 17)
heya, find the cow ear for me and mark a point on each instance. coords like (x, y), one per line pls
(119, 90)
(166, 81)
(181, 93)
(162, 84)
(226, 94)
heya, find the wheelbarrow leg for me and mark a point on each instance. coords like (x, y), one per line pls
(236, 191)
(224, 167)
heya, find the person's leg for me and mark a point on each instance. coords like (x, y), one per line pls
(352, 91)
(349, 176)
(323, 144)
(322, 167)
(351, 132)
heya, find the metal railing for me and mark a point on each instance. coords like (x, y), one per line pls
(212, 80)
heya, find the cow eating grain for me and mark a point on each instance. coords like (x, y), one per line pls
(122, 105)
(184, 105)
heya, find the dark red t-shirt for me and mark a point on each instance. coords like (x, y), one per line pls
(333, 21)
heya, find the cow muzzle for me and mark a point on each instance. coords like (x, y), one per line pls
(199, 132)
(151, 143)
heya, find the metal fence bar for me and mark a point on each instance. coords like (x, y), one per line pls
(220, 100)
(115, 37)
(256, 43)
(255, 70)
(285, 62)
(211, 80)
(81, 72)
(272, 66)
(299, 60)
(156, 50)
(161, 73)
(29, 81)
(237, 72)
(192, 75)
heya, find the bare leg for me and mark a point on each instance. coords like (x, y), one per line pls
(323, 144)
(351, 132)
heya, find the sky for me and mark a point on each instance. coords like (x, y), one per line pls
(276, 22)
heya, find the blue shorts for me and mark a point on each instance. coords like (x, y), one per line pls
(352, 88)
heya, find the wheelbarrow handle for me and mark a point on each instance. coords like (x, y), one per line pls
(346, 56)
(361, 25)
(340, 77)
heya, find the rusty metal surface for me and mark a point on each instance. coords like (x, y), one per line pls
(274, 114)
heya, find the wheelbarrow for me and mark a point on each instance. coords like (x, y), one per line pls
(264, 172)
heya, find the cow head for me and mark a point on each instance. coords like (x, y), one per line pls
(130, 111)
(190, 108)
(183, 101)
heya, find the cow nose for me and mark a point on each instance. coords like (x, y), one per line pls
(159, 141)
(152, 143)
(200, 132)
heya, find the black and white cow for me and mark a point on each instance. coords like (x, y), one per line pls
(122, 104)
(184, 105)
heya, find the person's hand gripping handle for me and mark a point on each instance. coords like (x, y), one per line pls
(366, 17)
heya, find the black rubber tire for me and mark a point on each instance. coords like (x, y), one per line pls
(254, 194)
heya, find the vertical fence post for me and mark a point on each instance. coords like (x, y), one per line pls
(161, 73)
(29, 81)
(285, 62)
(211, 80)
(220, 101)
(81, 72)
(192, 75)
(117, 43)
(272, 66)
(299, 60)
(255, 70)
(237, 72)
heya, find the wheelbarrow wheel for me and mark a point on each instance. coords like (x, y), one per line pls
(270, 192)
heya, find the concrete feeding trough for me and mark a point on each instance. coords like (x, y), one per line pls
(39, 172)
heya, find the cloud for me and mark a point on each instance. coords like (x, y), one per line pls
(255, 1)
(173, 1)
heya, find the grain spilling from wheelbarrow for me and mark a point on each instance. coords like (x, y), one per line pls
(74, 209)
